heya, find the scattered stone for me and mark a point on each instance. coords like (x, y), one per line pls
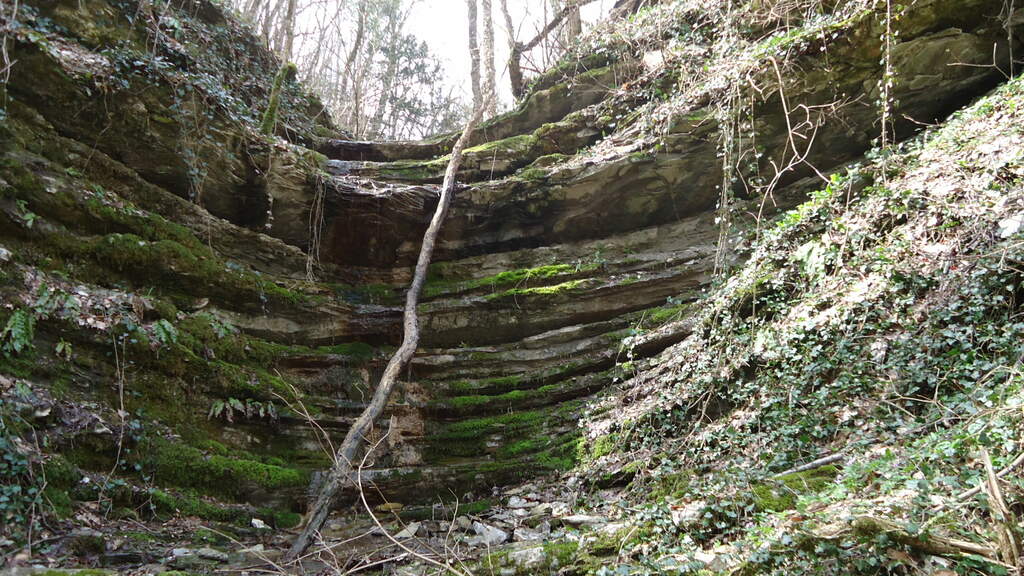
(583, 520)
(612, 528)
(688, 514)
(122, 559)
(524, 534)
(253, 549)
(718, 559)
(409, 531)
(86, 542)
(541, 509)
(517, 502)
(489, 535)
(501, 517)
(259, 524)
(5, 255)
(463, 523)
(529, 558)
(534, 521)
(211, 554)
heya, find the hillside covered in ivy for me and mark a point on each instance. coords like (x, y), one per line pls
(731, 288)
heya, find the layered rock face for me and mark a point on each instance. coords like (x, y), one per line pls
(228, 288)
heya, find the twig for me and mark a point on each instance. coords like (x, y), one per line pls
(366, 505)
(823, 461)
(1009, 545)
(1009, 468)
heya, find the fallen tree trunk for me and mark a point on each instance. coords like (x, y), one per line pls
(341, 473)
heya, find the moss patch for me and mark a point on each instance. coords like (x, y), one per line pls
(782, 493)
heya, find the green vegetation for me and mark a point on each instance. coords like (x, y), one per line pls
(187, 467)
(781, 494)
(553, 290)
(519, 277)
(286, 72)
(165, 503)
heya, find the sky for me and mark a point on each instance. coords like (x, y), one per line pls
(443, 25)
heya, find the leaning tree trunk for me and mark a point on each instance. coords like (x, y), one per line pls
(341, 472)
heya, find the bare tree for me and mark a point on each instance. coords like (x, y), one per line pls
(515, 72)
(288, 31)
(393, 37)
(573, 25)
(346, 458)
(518, 50)
(488, 57)
(474, 54)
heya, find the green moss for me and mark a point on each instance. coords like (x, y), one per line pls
(561, 550)
(669, 485)
(664, 315)
(518, 143)
(270, 115)
(496, 384)
(165, 503)
(557, 289)
(533, 174)
(178, 270)
(603, 446)
(414, 170)
(782, 493)
(368, 293)
(184, 466)
(508, 278)
(357, 350)
(465, 403)
(61, 478)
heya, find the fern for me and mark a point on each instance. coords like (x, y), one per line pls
(18, 333)
(165, 332)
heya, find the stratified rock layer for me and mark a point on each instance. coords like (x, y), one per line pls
(556, 268)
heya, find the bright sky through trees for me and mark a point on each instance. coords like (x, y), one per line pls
(442, 25)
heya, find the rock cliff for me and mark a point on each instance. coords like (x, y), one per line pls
(185, 296)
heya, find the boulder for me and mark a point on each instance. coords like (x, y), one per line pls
(489, 535)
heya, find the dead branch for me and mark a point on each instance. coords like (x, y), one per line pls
(813, 464)
(1009, 468)
(933, 544)
(1003, 519)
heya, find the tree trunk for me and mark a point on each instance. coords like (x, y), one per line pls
(289, 32)
(474, 55)
(488, 57)
(356, 45)
(341, 472)
(393, 55)
(573, 26)
(515, 73)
